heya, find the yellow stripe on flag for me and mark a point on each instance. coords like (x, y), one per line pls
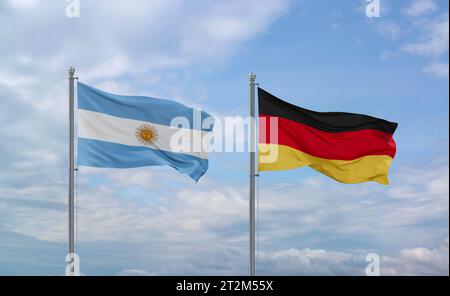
(368, 168)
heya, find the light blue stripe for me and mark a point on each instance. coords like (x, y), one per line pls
(158, 111)
(96, 153)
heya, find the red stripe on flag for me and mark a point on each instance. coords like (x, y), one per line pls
(339, 146)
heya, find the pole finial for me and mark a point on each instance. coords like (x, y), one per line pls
(252, 76)
(71, 71)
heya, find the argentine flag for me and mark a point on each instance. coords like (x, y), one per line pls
(130, 131)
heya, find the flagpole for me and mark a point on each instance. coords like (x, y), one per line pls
(71, 170)
(252, 78)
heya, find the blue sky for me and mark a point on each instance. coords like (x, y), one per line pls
(321, 55)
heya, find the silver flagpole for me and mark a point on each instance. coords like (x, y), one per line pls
(71, 170)
(252, 78)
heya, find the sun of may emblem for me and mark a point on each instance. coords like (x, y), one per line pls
(146, 134)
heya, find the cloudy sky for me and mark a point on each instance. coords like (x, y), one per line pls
(323, 55)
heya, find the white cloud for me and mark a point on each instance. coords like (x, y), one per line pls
(387, 55)
(389, 30)
(434, 41)
(140, 207)
(429, 37)
(421, 7)
(160, 37)
(176, 224)
(23, 4)
(307, 262)
(155, 203)
(418, 261)
(415, 261)
(437, 69)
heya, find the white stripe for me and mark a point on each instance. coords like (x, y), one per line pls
(103, 127)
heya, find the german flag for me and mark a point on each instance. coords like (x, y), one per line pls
(350, 148)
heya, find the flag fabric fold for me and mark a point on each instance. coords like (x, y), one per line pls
(117, 131)
(348, 147)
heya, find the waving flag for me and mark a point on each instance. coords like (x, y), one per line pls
(130, 131)
(350, 148)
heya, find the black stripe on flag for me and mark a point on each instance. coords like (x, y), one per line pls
(326, 121)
